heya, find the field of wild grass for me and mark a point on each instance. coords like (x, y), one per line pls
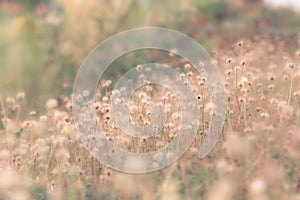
(256, 49)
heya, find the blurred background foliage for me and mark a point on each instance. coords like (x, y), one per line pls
(42, 43)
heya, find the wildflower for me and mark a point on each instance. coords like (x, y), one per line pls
(108, 83)
(43, 118)
(51, 104)
(240, 43)
(78, 98)
(107, 116)
(105, 99)
(190, 74)
(139, 68)
(97, 106)
(187, 66)
(182, 76)
(296, 93)
(68, 105)
(271, 87)
(271, 77)
(199, 97)
(68, 130)
(291, 65)
(32, 113)
(148, 88)
(201, 64)
(273, 101)
(176, 116)
(209, 107)
(5, 122)
(52, 185)
(257, 187)
(29, 124)
(171, 135)
(60, 116)
(229, 60)
(243, 62)
(145, 101)
(20, 96)
(172, 52)
(10, 100)
(263, 97)
(106, 109)
(243, 80)
(228, 72)
(16, 107)
(142, 95)
(285, 77)
(202, 82)
(86, 93)
(264, 115)
(237, 68)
